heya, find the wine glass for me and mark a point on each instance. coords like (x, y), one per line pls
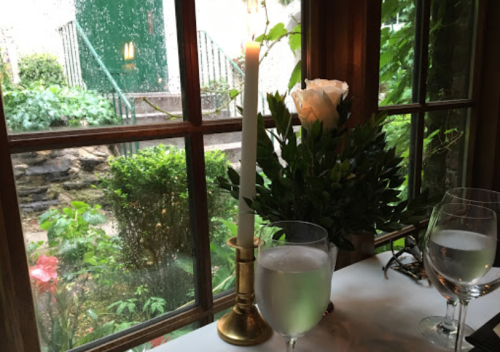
(442, 330)
(293, 277)
(460, 249)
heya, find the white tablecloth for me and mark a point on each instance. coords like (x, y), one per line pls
(371, 314)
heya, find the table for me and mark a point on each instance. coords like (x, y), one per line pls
(372, 313)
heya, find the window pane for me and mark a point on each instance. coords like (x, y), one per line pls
(165, 338)
(396, 51)
(450, 49)
(221, 55)
(222, 150)
(108, 238)
(397, 129)
(88, 63)
(444, 150)
(222, 313)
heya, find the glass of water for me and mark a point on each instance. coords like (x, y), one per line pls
(460, 249)
(293, 277)
(442, 330)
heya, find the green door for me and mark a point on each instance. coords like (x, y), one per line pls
(114, 25)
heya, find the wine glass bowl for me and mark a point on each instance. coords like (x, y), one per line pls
(293, 277)
(460, 249)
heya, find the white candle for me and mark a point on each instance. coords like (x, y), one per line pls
(246, 217)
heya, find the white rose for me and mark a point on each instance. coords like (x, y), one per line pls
(319, 101)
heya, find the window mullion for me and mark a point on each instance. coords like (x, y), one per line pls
(16, 298)
(421, 63)
(195, 156)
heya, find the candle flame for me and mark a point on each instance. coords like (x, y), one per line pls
(129, 51)
(132, 50)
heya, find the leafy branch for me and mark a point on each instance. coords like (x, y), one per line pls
(233, 93)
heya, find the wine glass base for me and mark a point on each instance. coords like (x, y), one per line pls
(433, 331)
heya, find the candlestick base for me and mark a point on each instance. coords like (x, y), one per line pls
(244, 326)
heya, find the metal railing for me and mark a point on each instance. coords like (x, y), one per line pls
(124, 108)
(219, 74)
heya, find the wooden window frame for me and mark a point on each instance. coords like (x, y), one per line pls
(358, 64)
(354, 56)
(419, 109)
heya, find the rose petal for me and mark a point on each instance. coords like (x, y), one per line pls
(40, 274)
(323, 83)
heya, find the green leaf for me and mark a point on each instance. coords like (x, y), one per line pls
(276, 32)
(296, 76)
(233, 93)
(121, 307)
(91, 314)
(185, 264)
(93, 218)
(233, 176)
(259, 39)
(295, 40)
(79, 205)
(88, 256)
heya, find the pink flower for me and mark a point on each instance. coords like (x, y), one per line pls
(158, 341)
(44, 273)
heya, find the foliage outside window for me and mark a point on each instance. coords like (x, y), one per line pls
(41, 68)
(90, 282)
(449, 51)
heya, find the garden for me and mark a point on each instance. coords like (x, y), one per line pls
(42, 100)
(89, 283)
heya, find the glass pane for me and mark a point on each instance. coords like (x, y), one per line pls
(397, 129)
(444, 150)
(222, 150)
(221, 54)
(108, 238)
(450, 49)
(83, 63)
(220, 314)
(165, 338)
(397, 42)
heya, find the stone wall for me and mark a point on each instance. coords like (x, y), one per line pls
(55, 178)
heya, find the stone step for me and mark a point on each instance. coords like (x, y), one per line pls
(38, 206)
(159, 117)
(166, 101)
(232, 151)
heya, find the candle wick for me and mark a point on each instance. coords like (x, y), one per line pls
(253, 37)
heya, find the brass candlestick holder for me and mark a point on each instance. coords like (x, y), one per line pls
(244, 326)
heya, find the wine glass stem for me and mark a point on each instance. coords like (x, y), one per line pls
(449, 320)
(290, 343)
(461, 324)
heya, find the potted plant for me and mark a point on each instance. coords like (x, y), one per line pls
(343, 178)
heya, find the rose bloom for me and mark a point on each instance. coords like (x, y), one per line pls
(44, 273)
(319, 101)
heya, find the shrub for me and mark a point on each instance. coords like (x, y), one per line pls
(39, 108)
(5, 78)
(42, 68)
(149, 196)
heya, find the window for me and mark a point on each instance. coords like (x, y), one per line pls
(117, 117)
(120, 225)
(427, 56)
